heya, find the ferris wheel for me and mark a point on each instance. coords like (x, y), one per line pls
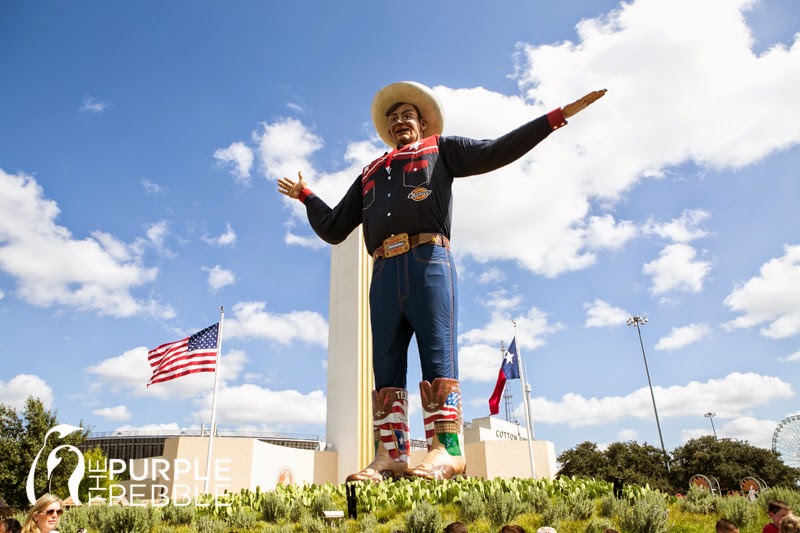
(786, 440)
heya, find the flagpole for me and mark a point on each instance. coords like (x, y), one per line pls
(214, 401)
(525, 400)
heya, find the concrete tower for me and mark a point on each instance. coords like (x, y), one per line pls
(350, 378)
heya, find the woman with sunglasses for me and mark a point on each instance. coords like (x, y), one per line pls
(43, 516)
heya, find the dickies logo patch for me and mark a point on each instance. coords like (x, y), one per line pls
(419, 194)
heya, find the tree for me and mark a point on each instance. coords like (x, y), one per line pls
(585, 460)
(641, 464)
(21, 439)
(96, 476)
(730, 461)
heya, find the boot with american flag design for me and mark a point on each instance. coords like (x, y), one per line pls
(390, 427)
(441, 407)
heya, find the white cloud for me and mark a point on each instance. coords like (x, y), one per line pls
(745, 428)
(605, 233)
(240, 158)
(219, 277)
(730, 396)
(684, 229)
(284, 148)
(492, 275)
(157, 234)
(312, 241)
(268, 407)
(2, 295)
(771, 297)
(598, 158)
(793, 357)
(97, 273)
(627, 435)
(151, 187)
(92, 105)
(130, 372)
(680, 337)
(600, 314)
(15, 392)
(479, 348)
(677, 270)
(226, 239)
(118, 413)
(252, 320)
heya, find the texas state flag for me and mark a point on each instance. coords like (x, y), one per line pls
(508, 370)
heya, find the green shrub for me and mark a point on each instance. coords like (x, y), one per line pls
(738, 510)
(425, 518)
(178, 515)
(788, 496)
(598, 525)
(242, 518)
(648, 514)
(611, 506)
(275, 509)
(207, 524)
(312, 524)
(368, 523)
(74, 519)
(131, 519)
(297, 511)
(537, 499)
(472, 507)
(555, 513)
(502, 507)
(322, 502)
(580, 507)
(698, 501)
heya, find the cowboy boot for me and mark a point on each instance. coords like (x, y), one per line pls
(390, 429)
(441, 407)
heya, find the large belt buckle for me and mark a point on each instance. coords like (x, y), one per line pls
(396, 245)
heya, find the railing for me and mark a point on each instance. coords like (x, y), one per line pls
(204, 433)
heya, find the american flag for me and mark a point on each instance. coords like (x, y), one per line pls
(449, 411)
(197, 353)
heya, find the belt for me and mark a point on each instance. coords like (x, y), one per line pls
(416, 240)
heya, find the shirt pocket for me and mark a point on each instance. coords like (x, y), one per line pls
(417, 172)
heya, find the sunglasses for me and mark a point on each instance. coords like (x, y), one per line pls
(50, 512)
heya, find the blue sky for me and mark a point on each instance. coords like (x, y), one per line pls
(140, 144)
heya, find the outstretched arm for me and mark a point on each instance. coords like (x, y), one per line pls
(290, 188)
(332, 225)
(580, 104)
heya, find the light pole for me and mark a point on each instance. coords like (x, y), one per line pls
(635, 321)
(711, 416)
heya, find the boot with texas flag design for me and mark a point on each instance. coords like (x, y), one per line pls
(390, 427)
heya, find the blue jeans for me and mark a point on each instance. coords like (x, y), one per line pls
(414, 293)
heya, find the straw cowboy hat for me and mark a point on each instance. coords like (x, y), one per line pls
(407, 92)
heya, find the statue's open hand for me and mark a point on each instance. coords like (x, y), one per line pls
(582, 103)
(290, 188)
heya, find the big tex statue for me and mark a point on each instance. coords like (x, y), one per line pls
(403, 200)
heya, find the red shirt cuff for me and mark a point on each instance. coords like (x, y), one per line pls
(556, 119)
(305, 193)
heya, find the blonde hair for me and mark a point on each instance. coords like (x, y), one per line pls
(790, 524)
(41, 504)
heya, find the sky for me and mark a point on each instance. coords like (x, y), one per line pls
(141, 143)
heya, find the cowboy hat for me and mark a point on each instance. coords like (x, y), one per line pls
(407, 92)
